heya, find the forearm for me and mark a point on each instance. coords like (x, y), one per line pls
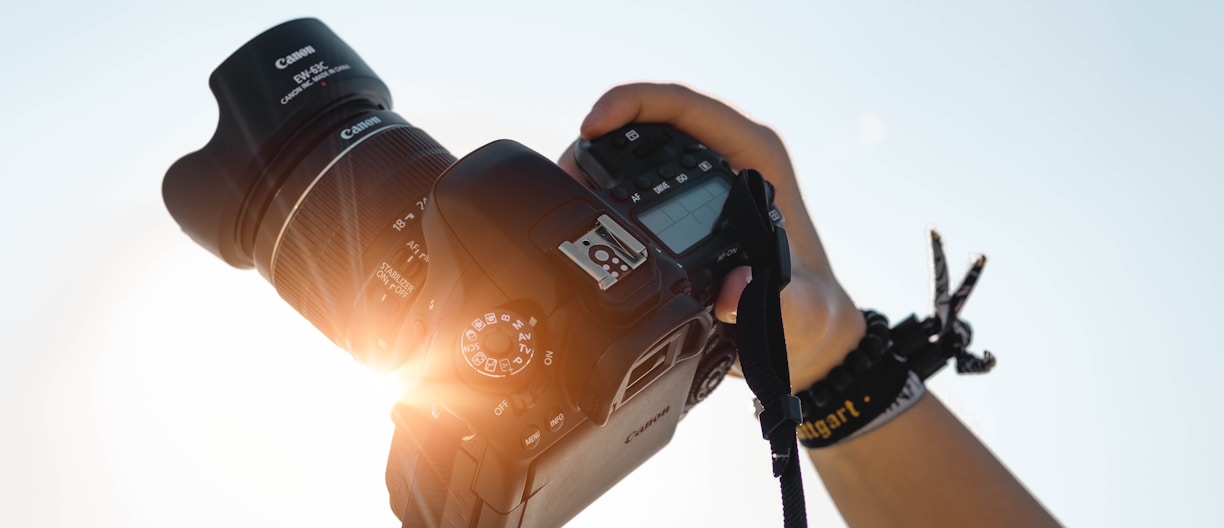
(924, 468)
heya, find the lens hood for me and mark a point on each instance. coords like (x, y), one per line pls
(293, 79)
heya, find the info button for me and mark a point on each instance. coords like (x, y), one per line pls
(556, 419)
(531, 437)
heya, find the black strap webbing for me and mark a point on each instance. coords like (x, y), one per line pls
(759, 333)
(422, 455)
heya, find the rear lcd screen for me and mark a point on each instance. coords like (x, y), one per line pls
(687, 218)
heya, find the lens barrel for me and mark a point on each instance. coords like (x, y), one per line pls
(321, 255)
(306, 168)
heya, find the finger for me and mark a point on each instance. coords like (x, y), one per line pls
(727, 306)
(744, 142)
(736, 369)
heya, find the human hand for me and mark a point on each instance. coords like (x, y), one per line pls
(822, 323)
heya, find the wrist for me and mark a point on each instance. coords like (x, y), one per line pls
(843, 326)
(870, 386)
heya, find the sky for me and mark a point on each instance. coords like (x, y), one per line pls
(143, 382)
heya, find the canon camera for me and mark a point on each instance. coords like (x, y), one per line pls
(553, 333)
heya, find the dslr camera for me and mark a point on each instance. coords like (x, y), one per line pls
(554, 333)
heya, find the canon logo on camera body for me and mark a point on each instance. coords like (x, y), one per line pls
(352, 131)
(644, 427)
(291, 58)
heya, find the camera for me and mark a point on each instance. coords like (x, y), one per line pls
(554, 333)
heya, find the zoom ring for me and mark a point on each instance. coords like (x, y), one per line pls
(319, 268)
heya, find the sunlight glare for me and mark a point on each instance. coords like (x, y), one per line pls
(364, 387)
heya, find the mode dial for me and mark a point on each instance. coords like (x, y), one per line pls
(499, 344)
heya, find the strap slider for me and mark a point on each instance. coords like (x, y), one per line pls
(788, 413)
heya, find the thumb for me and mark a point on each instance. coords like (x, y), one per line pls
(727, 305)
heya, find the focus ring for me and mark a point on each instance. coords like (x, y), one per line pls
(319, 268)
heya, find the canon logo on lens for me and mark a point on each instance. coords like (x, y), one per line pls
(291, 58)
(350, 132)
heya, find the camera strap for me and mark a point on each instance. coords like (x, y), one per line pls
(420, 464)
(759, 335)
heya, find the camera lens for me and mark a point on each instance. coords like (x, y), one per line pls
(319, 243)
(310, 177)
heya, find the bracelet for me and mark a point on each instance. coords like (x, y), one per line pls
(862, 392)
(882, 377)
(913, 391)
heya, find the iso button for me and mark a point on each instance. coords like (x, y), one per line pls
(497, 346)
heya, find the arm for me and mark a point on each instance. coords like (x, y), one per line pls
(923, 468)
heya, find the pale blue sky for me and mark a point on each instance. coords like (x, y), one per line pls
(144, 384)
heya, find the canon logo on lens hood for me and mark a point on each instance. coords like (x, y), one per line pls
(291, 58)
(348, 133)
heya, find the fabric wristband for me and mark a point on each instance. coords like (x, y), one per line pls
(913, 391)
(864, 387)
(882, 377)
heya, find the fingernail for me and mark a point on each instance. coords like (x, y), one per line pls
(733, 316)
